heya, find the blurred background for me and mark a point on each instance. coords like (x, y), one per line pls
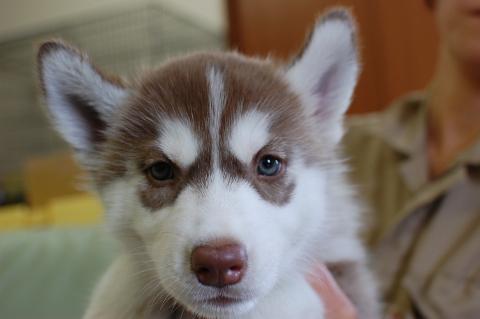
(38, 177)
(397, 38)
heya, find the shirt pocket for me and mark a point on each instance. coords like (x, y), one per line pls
(453, 290)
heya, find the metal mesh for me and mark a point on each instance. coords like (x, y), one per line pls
(119, 44)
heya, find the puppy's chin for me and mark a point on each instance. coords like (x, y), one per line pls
(220, 307)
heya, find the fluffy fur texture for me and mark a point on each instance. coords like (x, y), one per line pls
(179, 159)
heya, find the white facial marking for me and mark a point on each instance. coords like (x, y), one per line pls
(249, 134)
(217, 104)
(179, 143)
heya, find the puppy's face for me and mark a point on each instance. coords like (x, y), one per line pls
(212, 168)
(214, 153)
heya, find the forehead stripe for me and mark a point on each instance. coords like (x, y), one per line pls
(217, 104)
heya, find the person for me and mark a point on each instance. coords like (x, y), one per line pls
(417, 167)
(336, 303)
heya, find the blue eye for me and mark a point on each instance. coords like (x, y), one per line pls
(269, 166)
(161, 171)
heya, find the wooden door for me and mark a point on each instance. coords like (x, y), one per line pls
(398, 40)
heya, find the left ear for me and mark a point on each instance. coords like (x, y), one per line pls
(326, 71)
(81, 101)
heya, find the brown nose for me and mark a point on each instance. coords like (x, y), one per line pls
(219, 263)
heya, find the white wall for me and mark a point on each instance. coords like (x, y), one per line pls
(22, 17)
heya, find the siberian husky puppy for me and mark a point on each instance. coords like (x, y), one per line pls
(220, 177)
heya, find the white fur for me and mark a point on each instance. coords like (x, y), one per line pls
(217, 104)
(178, 142)
(279, 236)
(249, 135)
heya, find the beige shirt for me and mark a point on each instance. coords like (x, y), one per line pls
(424, 234)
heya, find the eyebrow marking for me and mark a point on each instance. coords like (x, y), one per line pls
(178, 142)
(250, 133)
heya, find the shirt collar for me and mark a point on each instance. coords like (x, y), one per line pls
(403, 124)
(403, 127)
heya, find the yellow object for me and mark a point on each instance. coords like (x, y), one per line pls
(14, 216)
(78, 209)
(53, 196)
(37, 217)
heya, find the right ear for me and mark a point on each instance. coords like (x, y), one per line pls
(326, 72)
(80, 99)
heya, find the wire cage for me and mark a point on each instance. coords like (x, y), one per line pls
(120, 43)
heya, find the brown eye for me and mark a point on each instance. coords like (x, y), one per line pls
(161, 171)
(269, 166)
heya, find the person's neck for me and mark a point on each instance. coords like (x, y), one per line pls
(453, 112)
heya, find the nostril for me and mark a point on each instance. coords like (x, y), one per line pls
(235, 268)
(203, 270)
(219, 263)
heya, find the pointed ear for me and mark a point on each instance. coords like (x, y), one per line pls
(325, 72)
(79, 98)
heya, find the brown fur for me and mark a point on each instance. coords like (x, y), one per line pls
(162, 93)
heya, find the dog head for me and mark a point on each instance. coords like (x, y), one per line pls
(213, 168)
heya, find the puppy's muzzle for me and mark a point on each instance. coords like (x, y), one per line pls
(219, 263)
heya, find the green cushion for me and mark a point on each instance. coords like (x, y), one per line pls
(50, 273)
